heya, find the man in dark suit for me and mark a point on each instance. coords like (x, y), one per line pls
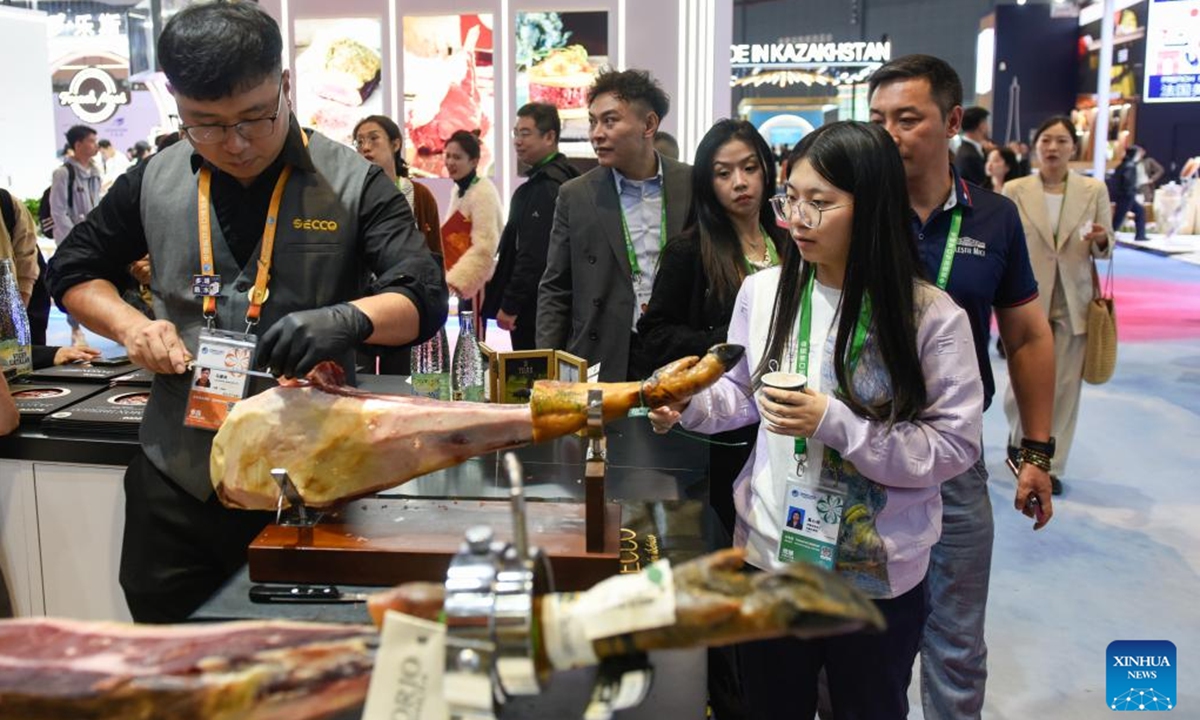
(609, 227)
(971, 157)
(512, 294)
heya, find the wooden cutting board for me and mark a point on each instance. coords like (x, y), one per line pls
(385, 541)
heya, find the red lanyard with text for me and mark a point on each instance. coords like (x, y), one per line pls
(803, 342)
(943, 277)
(662, 233)
(259, 293)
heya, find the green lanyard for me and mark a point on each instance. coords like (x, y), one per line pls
(772, 254)
(803, 341)
(943, 277)
(662, 233)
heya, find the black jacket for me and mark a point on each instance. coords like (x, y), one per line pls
(972, 165)
(683, 317)
(524, 242)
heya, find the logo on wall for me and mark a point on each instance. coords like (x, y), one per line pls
(93, 95)
(1141, 675)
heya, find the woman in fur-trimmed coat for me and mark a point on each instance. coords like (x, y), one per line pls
(471, 233)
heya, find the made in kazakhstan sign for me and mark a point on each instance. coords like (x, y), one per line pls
(809, 55)
(1141, 675)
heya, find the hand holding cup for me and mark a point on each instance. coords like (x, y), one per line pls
(788, 406)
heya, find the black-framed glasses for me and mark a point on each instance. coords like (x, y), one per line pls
(809, 212)
(525, 133)
(211, 134)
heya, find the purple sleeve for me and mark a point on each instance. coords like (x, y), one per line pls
(947, 437)
(1017, 284)
(728, 404)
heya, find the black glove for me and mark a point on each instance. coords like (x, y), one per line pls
(295, 344)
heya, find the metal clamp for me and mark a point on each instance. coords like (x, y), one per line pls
(489, 608)
(294, 514)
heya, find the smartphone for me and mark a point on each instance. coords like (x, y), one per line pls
(111, 362)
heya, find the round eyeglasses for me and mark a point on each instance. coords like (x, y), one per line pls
(808, 212)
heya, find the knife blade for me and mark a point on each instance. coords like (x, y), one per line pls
(303, 594)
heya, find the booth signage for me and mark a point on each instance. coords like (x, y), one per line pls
(809, 54)
(93, 95)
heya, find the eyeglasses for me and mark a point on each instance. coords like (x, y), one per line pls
(526, 133)
(810, 213)
(363, 141)
(248, 129)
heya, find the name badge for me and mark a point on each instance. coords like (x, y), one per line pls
(811, 521)
(219, 377)
(206, 285)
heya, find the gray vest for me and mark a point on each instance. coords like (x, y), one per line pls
(311, 268)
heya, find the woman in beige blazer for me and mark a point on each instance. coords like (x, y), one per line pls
(1068, 221)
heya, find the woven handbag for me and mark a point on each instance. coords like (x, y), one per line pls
(1100, 360)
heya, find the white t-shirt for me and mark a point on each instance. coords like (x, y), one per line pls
(767, 517)
(1054, 205)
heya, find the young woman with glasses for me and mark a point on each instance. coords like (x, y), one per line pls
(377, 138)
(892, 407)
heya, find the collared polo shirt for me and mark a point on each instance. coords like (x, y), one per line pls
(991, 266)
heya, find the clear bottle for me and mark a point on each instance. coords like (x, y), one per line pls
(16, 351)
(430, 367)
(467, 375)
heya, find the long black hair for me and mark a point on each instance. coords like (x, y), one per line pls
(720, 250)
(393, 132)
(882, 264)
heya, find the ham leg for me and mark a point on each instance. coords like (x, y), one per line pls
(338, 443)
(274, 670)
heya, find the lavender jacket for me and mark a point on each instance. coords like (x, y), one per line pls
(894, 472)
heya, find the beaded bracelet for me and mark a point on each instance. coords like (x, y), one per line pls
(1035, 458)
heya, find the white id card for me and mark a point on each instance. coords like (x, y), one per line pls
(219, 379)
(812, 519)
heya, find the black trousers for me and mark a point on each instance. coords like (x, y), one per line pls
(524, 332)
(177, 550)
(869, 673)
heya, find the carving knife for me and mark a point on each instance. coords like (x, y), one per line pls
(303, 594)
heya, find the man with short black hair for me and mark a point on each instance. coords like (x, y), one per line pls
(75, 185)
(971, 158)
(511, 295)
(972, 244)
(75, 189)
(609, 226)
(334, 218)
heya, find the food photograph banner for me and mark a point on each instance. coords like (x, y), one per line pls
(338, 71)
(449, 85)
(557, 57)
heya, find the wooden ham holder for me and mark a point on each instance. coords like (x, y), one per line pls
(386, 541)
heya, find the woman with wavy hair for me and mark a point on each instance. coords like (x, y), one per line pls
(731, 234)
(892, 408)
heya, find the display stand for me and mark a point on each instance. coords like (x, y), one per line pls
(385, 541)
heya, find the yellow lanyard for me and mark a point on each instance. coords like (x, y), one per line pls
(259, 293)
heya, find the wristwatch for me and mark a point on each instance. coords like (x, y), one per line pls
(1045, 448)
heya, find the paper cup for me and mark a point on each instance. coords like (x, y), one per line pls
(785, 381)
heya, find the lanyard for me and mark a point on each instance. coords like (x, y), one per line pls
(943, 277)
(259, 293)
(772, 254)
(803, 341)
(662, 233)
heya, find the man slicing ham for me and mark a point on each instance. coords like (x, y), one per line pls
(294, 223)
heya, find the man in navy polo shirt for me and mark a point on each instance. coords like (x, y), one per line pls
(918, 100)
